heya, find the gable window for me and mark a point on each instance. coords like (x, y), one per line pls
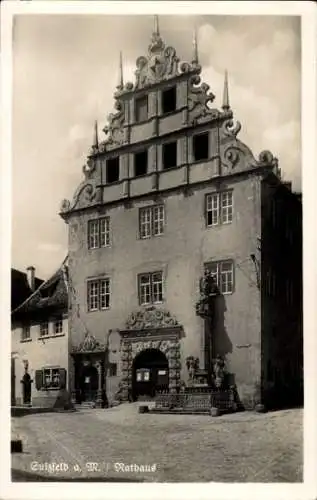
(140, 163)
(219, 208)
(58, 326)
(141, 109)
(99, 233)
(98, 294)
(169, 100)
(151, 288)
(170, 155)
(151, 221)
(26, 333)
(201, 146)
(44, 329)
(222, 273)
(112, 170)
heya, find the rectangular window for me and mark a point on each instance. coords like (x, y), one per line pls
(201, 146)
(51, 378)
(141, 109)
(99, 233)
(93, 295)
(98, 294)
(151, 288)
(140, 163)
(112, 170)
(112, 369)
(170, 155)
(44, 329)
(105, 293)
(58, 326)
(151, 220)
(222, 272)
(169, 100)
(26, 332)
(219, 208)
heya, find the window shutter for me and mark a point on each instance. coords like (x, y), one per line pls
(62, 378)
(38, 379)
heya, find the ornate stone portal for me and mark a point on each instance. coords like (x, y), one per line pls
(150, 328)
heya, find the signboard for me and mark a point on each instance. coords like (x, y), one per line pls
(162, 372)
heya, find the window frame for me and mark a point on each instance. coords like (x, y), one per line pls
(164, 91)
(150, 223)
(194, 136)
(26, 338)
(151, 288)
(141, 151)
(97, 223)
(47, 329)
(112, 159)
(98, 295)
(136, 100)
(219, 273)
(56, 321)
(219, 196)
(168, 143)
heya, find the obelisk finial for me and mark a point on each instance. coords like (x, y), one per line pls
(156, 26)
(195, 59)
(95, 143)
(120, 79)
(225, 98)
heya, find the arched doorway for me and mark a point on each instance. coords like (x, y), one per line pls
(149, 373)
(89, 383)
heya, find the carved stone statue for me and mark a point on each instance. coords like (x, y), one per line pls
(219, 371)
(208, 289)
(192, 365)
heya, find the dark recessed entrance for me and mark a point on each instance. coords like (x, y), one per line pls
(150, 374)
(88, 383)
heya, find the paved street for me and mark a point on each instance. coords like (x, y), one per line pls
(243, 447)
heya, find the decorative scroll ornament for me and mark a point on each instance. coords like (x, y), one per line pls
(150, 318)
(89, 344)
(198, 99)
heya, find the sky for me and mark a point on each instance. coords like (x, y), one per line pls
(65, 69)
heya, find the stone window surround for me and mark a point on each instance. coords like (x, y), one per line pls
(219, 209)
(151, 209)
(155, 95)
(107, 234)
(150, 275)
(98, 280)
(218, 263)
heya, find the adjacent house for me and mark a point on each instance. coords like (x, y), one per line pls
(39, 342)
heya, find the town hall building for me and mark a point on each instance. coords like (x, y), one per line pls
(170, 196)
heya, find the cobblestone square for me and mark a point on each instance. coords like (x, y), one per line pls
(242, 447)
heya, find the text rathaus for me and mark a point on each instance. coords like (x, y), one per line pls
(170, 196)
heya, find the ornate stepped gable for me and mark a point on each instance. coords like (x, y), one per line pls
(162, 64)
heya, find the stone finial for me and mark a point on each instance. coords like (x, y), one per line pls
(156, 26)
(225, 98)
(120, 79)
(95, 143)
(195, 59)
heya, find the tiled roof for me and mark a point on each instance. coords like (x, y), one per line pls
(20, 289)
(50, 294)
